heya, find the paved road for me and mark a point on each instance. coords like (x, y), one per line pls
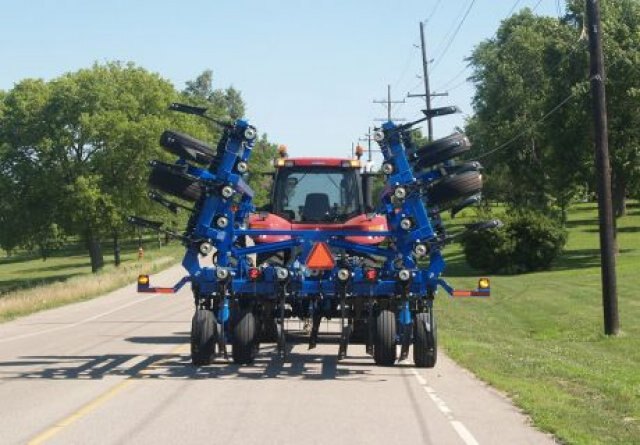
(116, 370)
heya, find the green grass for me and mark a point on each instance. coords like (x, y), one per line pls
(25, 270)
(540, 336)
(66, 277)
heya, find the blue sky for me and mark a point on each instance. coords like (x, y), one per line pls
(308, 70)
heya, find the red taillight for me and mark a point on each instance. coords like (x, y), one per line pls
(371, 274)
(254, 274)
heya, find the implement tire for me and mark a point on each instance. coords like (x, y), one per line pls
(384, 339)
(454, 187)
(244, 337)
(203, 337)
(425, 340)
(440, 151)
(166, 179)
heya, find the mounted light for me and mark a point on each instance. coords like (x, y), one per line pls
(420, 250)
(282, 273)
(254, 274)
(143, 280)
(205, 248)
(222, 274)
(351, 163)
(250, 133)
(406, 223)
(378, 136)
(400, 193)
(404, 275)
(242, 167)
(222, 222)
(371, 275)
(344, 274)
(387, 168)
(484, 283)
(227, 192)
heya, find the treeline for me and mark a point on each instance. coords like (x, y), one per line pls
(74, 152)
(533, 125)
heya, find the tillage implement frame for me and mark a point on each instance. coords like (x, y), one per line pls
(376, 269)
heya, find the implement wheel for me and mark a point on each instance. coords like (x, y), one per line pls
(384, 339)
(244, 337)
(203, 337)
(454, 187)
(425, 340)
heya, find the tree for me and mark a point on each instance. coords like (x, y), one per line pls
(529, 68)
(532, 93)
(224, 103)
(89, 134)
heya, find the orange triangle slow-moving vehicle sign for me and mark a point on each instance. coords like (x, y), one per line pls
(320, 257)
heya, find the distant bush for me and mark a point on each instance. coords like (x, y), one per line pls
(527, 242)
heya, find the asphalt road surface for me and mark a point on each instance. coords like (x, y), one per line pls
(116, 369)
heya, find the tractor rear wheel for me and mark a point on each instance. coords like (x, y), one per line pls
(384, 340)
(425, 340)
(204, 335)
(244, 337)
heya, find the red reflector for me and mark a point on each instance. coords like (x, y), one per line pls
(320, 257)
(371, 275)
(254, 274)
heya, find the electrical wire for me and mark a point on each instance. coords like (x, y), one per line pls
(530, 127)
(455, 34)
(433, 11)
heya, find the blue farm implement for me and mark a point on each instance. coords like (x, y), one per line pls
(322, 248)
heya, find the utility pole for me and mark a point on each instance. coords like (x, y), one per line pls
(603, 169)
(367, 137)
(388, 102)
(425, 76)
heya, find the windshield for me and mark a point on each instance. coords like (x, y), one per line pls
(317, 194)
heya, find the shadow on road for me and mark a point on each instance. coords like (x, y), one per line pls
(299, 364)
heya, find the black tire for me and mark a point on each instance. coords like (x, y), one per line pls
(440, 151)
(269, 331)
(187, 147)
(204, 337)
(165, 178)
(384, 339)
(425, 340)
(454, 187)
(244, 336)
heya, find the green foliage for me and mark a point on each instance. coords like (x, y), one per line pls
(528, 241)
(532, 92)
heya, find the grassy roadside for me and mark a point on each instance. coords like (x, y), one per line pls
(539, 338)
(68, 279)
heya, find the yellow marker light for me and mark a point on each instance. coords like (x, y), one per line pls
(355, 163)
(484, 283)
(278, 163)
(143, 280)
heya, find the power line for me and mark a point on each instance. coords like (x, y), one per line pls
(513, 8)
(455, 34)
(536, 6)
(433, 11)
(530, 127)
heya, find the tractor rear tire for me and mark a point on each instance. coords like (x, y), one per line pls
(244, 337)
(452, 188)
(425, 340)
(384, 339)
(204, 336)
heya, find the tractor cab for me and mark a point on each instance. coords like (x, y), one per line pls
(312, 191)
(319, 194)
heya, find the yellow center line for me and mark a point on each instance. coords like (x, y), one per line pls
(95, 403)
